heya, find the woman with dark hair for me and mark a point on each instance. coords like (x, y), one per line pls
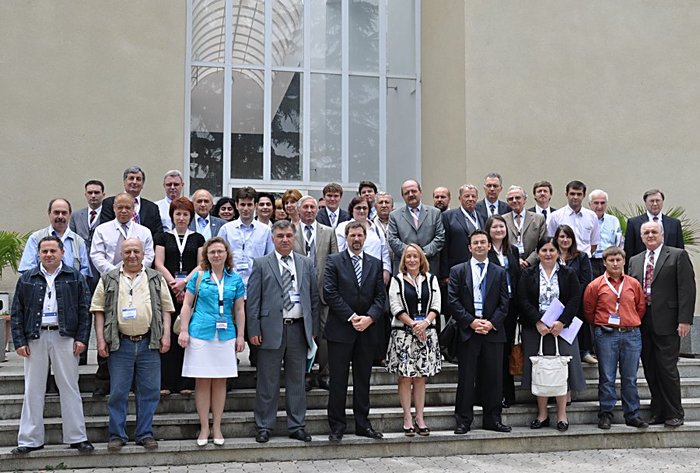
(569, 255)
(507, 256)
(289, 201)
(225, 208)
(209, 335)
(279, 212)
(538, 287)
(177, 255)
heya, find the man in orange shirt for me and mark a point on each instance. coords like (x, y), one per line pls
(614, 303)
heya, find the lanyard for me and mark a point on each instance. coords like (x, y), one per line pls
(308, 241)
(469, 217)
(181, 246)
(617, 293)
(220, 285)
(133, 283)
(243, 234)
(519, 227)
(418, 285)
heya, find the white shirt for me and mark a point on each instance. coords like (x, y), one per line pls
(538, 210)
(247, 242)
(106, 244)
(164, 208)
(656, 257)
(477, 277)
(50, 309)
(584, 223)
(96, 220)
(203, 226)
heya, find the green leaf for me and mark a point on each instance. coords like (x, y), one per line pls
(11, 247)
(690, 227)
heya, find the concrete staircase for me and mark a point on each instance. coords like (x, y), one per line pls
(176, 425)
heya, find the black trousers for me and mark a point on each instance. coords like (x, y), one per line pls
(479, 358)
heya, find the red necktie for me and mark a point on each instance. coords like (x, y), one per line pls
(648, 276)
(93, 214)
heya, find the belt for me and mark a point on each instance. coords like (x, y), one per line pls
(135, 338)
(619, 329)
(49, 327)
(289, 321)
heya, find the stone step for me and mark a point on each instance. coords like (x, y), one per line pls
(439, 443)
(179, 426)
(243, 400)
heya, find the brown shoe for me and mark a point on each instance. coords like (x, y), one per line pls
(149, 443)
(115, 444)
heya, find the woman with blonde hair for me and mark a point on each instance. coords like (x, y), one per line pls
(414, 352)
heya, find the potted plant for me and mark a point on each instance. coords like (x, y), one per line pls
(11, 247)
(691, 229)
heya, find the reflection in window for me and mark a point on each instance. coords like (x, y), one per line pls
(326, 123)
(206, 129)
(286, 126)
(247, 125)
(364, 128)
(326, 26)
(364, 36)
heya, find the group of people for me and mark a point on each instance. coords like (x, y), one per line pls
(177, 290)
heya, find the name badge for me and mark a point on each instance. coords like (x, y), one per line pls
(295, 297)
(129, 313)
(242, 265)
(614, 319)
(419, 318)
(521, 248)
(49, 318)
(478, 309)
(180, 276)
(221, 324)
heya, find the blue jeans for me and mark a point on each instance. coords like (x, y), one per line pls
(623, 348)
(133, 360)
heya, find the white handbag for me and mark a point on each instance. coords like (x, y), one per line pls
(550, 373)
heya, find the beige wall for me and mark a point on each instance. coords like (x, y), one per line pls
(88, 88)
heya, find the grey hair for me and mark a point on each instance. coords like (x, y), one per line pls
(133, 170)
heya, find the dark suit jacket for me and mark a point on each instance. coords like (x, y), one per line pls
(502, 209)
(265, 299)
(456, 247)
(322, 217)
(673, 234)
(460, 292)
(529, 295)
(513, 267)
(345, 296)
(149, 215)
(672, 289)
(214, 222)
(551, 209)
(80, 224)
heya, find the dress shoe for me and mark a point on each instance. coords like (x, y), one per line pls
(636, 422)
(538, 424)
(99, 392)
(149, 443)
(263, 436)
(115, 444)
(218, 442)
(202, 442)
(499, 427)
(422, 431)
(590, 359)
(675, 422)
(83, 447)
(308, 385)
(462, 429)
(562, 426)
(323, 384)
(335, 437)
(505, 404)
(300, 435)
(604, 421)
(369, 432)
(25, 450)
(654, 420)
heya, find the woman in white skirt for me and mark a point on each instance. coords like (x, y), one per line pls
(414, 352)
(209, 336)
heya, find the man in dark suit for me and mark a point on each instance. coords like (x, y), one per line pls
(525, 228)
(205, 223)
(84, 221)
(282, 306)
(493, 185)
(673, 234)
(459, 223)
(353, 287)
(667, 277)
(146, 213)
(416, 223)
(478, 297)
(542, 193)
(331, 215)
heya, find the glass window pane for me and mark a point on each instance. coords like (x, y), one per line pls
(286, 126)
(326, 41)
(401, 153)
(206, 128)
(247, 124)
(401, 37)
(326, 123)
(364, 35)
(248, 18)
(208, 30)
(363, 132)
(288, 33)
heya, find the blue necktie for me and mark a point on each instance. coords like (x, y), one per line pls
(482, 286)
(358, 269)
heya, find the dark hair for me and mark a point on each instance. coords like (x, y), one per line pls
(246, 193)
(223, 201)
(50, 238)
(95, 182)
(505, 245)
(613, 251)
(358, 200)
(205, 264)
(479, 232)
(546, 184)
(268, 195)
(576, 185)
(134, 170)
(369, 184)
(181, 203)
(544, 241)
(282, 225)
(652, 192)
(333, 187)
(354, 224)
(70, 209)
(568, 231)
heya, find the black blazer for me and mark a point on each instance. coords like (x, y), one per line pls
(673, 234)
(581, 265)
(529, 295)
(344, 296)
(513, 257)
(456, 248)
(502, 208)
(322, 217)
(551, 209)
(149, 214)
(460, 292)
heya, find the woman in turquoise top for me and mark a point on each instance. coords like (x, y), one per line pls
(209, 336)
